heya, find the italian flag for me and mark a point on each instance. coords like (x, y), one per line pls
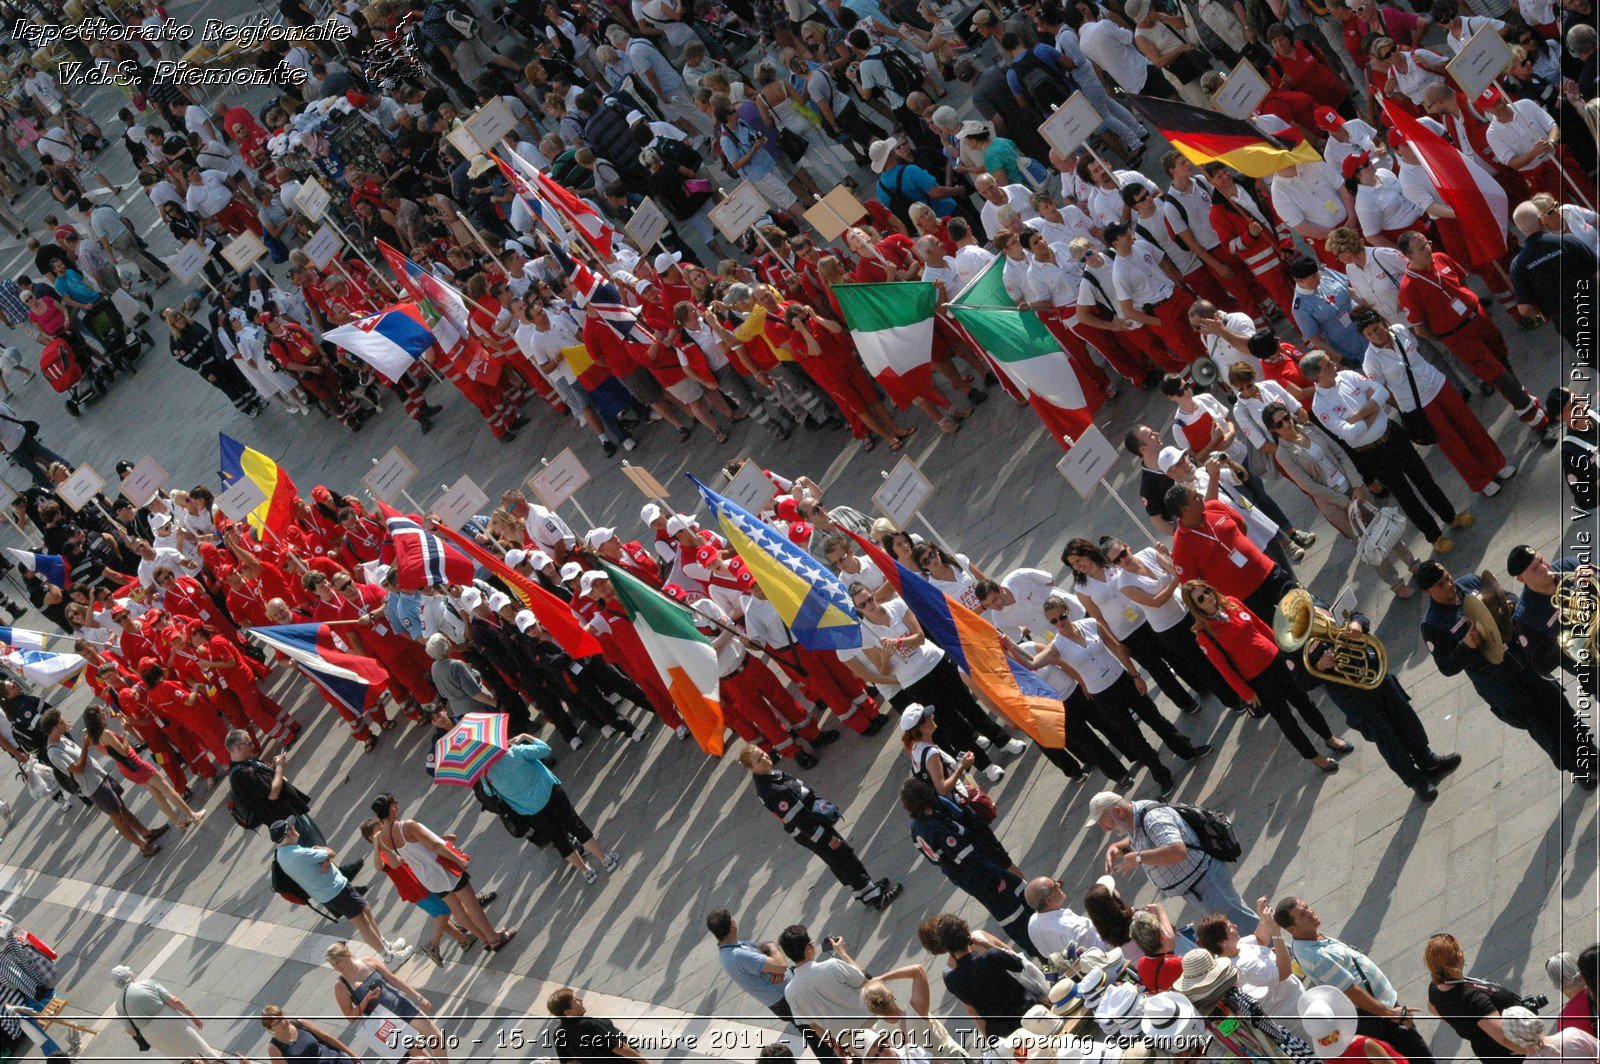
(1022, 348)
(892, 325)
(681, 653)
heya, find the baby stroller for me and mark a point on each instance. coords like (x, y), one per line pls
(29, 1006)
(62, 370)
(105, 325)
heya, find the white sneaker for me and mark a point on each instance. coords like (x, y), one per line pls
(983, 743)
(394, 956)
(994, 773)
(1491, 489)
(681, 731)
(5, 812)
(1015, 746)
(1509, 471)
(575, 742)
(607, 731)
(638, 735)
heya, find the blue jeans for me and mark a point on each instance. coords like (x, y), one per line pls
(1215, 893)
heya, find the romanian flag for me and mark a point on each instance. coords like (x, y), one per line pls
(812, 601)
(975, 647)
(555, 616)
(1206, 136)
(238, 461)
(681, 653)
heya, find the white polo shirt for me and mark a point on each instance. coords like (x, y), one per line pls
(1377, 283)
(1104, 205)
(1096, 666)
(1247, 413)
(1154, 228)
(1056, 282)
(1074, 223)
(1014, 274)
(1335, 406)
(1224, 354)
(1191, 211)
(1017, 196)
(1030, 587)
(1111, 48)
(1385, 365)
(1410, 81)
(1384, 207)
(210, 196)
(1335, 151)
(1528, 126)
(1470, 24)
(1311, 195)
(1138, 277)
(971, 260)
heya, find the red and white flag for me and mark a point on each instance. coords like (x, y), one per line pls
(419, 557)
(595, 230)
(1481, 207)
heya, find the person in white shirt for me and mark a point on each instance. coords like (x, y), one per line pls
(1060, 225)
(1225, 336)
(1459, 28)
(542, 338)
(1524, 138)
(1110, 46)
(1014, 267)
(1103, 191)
(1121, 342)
(1151, 220)
(1409, 70)
(1383, 209)
(1253, 395)
(1393, 360)
(1346, 137)
(970, 259)
(1351, 407)
(1015, 603)
(995, 195)
(1265, 968)
(1373, 272)
(1054, 927)
(1149, 293)
(1311, 199)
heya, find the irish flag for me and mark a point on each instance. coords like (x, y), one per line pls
(682, 654)
(892, 325)
(1024, 350)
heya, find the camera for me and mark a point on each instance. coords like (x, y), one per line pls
(1535, 1003)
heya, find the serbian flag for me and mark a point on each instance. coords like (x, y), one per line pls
(43, 667)
(350, 680)
(389, 341)
(1023, 349)
(238, 461)
(555, 616)
(892, 326)
(1471, 191)
(584, 219)
(1205, 136)
(975, 647)
(51, 567)
(420, 558)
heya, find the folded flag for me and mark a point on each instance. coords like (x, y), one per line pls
(1467, 188)
(812, 601)
(238, 461)
(52, 568)
(25, 639)
(1205, 136)
(389, 341)
(350, 680)
(892, 326)
(681, 653)
(975, 647)
(1028, 354)
(555, 616)
(584, 219)
(420, 558)
(43, 667)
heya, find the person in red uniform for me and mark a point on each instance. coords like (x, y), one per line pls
(1210, 542)
(1247, 238)
(638, 665)
(299, 353)
(1294, 66)
(362, 536)
(134, 644)
(170, 749)
(1242, 648)
(407, 664)
(187, 709)
(1440, 306)
(822, 677)
(821, 348)
(241, 678)
(184, 597)
(631, 555)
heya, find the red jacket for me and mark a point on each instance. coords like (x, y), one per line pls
(1219, 552)
(1433, 301)
(1239, 644)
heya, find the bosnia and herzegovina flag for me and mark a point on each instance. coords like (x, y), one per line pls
(239, 461)
(389, 341)
(681, 653)
(975, 648)
(1206, 136)
(812, 601)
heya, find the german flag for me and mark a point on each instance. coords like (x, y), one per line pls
(1205, 136)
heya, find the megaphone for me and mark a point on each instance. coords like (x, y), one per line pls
(1204, 372)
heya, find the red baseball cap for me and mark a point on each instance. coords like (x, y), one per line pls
(800, 532)
(707, 555)
(1396, 138)
(1327, 119)
(787, 508)
(675, 592)
(1353, 163)
(1489, 98)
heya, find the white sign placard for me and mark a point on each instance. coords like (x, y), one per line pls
(646, 225)
(1089, 460)
(556, 482)
(1070, 124)
(189, 261)
(324, 244)
(462, 140)
(645, 481)
(143, 481)
(738, 211)
(243, 250)
(1242, 93)
(237, 502)
(80, 487)
(490, 123)
(459, 502)
(1483, 58)
(751, 487)
(903, 493)
(312, 200)
(387, 1036)
(390, 476)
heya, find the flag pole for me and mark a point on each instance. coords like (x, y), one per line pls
(1555, 154)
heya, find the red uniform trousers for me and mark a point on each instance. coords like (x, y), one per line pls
(1154, 346)
(1463, 440)
(1207, 285)
(1478, 344)
(238, 216)
(263, 712)
(1075, 346)
(636, 662)
(754, 700)
(206, 728)
(160, 748)
(1118, 348)
(1180, 337)
(408, 666)
(847, 385)
(826, 679)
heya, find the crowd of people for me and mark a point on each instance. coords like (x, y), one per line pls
(1315, 332)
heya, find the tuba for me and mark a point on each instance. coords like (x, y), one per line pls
(1577, 604)
(1359, 660)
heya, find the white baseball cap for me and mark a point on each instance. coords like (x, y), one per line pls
(471, 598)
(515, 558)
(913, 715)
(570, 571)
(650, 514)
(539, 559)
(587, 581)
(1169, 457)
(524, 620)
(635, 116)
(1098, 806)
(499, 601)
(679, 523)
(667, 260)
(596, 536)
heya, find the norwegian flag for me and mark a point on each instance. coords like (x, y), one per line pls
(420, 558)
(595, 230)
(623, 319)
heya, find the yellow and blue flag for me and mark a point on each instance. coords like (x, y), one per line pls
(812, 601)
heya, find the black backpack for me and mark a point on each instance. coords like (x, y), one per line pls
(491, 802)
(904, 74)
(1213, 830)
(1044, 88)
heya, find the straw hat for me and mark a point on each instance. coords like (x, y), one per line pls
(1205, 977)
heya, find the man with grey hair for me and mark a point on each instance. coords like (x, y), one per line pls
(1155, 836)
(1584, 44)
(1554, 274)
(458, 683)
(1054, 927)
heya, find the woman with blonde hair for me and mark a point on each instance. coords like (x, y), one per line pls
(366, 983)
(914, 1027)
(297, 1041)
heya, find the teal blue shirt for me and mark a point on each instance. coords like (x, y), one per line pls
(521, 779)
(303, 864)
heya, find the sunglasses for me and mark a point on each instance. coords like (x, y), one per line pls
(1058, 620)
(1118, 558)
(1278, 423)
(1383, 55)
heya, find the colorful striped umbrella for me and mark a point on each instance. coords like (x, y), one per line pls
(464, 753)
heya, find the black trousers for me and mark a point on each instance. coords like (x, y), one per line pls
(1085, 729)
(1263, 601)
(1406, 1041)
(1402, 470)
(1179, 649)
(1114, 714)
(947, 693)
(842, 861)
(1525, 699)
(1384, 717)
(823, 1049)
(1282, 697)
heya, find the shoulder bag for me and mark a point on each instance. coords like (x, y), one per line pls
(1377, 536)
(138, 1035)
(1415, 420)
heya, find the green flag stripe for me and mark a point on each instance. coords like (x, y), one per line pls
(643, 603)
(1008, 335)
(870, 307)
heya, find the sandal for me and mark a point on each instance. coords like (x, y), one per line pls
(870, 442)
(949, 427)
(906, 434)
(388, 723)
(720, 436)
(369, 744)
(896, 443)
(506, 936)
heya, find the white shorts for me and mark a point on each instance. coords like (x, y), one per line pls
(687, 390)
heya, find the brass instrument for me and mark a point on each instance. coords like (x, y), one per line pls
(1359, 660)
(1490, 612)
(1577, 604)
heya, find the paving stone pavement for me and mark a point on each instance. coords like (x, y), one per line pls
(1505, 859)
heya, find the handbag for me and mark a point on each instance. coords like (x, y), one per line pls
(793, 144)
(974, 798)
(40, 781)
(138, 1036)
(1377, 537)
(1033, 979)
(697, 186)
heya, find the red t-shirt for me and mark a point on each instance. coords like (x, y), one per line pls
(1220, 552)
(1159, 973)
